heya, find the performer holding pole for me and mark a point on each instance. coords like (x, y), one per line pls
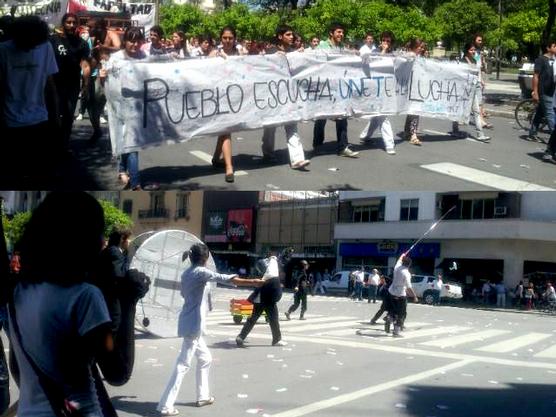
(265, 299)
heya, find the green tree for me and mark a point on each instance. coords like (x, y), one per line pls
(458, 20)
(188, 18)
(15, 227)
(114, 217)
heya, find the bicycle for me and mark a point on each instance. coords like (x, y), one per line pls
(524, 113)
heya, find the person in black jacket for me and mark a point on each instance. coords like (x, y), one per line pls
(302, 288)
(265, 299)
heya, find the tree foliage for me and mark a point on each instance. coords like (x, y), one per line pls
(453, 21)
(113, 217)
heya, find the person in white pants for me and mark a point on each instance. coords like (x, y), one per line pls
(195, 289)
(284, 41)
(385, 130)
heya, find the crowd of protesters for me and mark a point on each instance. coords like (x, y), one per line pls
(75, 61)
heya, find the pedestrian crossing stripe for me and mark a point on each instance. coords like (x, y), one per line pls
(484, 178)
(317, 321)
(431, 332)
(341, 332)
(548, 353)
(515, 343)
(465, 338)
(311, 327)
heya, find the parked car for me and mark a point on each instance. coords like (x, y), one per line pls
(423, 286)
(339, 282)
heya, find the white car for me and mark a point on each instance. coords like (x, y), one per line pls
(339, 282)
(424, 284)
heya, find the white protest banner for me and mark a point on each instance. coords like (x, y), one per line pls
(155, 103)
(142, 13)
(51, 11)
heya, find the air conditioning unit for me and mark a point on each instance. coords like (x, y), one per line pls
(500, 211)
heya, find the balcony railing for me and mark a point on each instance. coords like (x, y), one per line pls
(181, 213)
(154, 214)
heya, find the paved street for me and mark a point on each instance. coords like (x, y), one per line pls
(507, 162)
(451, 362)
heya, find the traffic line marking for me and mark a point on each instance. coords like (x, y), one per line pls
(317, 321)
(203, 156)
(428, 332)
(311, 327)
(346, 398)
(548, 353)
(465, 338)
(515, 343)
(485, 178)
(341, 332)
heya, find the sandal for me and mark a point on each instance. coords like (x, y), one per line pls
(415, 141)
(487, 126)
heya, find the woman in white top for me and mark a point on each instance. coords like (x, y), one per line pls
(415, 48)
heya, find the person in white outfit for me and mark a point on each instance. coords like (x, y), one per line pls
(195, 290)
(386, 39)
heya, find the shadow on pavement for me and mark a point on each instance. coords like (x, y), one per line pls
(515, 400)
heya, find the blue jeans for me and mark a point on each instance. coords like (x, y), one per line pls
(129, 162)
(358, 291)
(544, 108)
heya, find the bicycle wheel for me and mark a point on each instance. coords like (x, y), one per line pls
(524, 112)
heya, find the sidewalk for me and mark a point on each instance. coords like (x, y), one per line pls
(501, 96)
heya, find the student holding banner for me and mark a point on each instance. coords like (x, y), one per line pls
(334, 43)
(222, 156)
(385, 47)
(284, 44)
(469, 59)
(415, 48)
(129, 162)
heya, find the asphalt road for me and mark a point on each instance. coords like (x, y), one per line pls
(507, 162)
(452, 362)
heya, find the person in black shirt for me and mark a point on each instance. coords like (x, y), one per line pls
(543, 89)
(72, 55)
(302, 288)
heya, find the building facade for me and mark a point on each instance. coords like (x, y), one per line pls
(496, 236)
(163, 210)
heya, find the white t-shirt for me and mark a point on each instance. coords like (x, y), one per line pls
(401, 280)
(360, 277)
(366, 50)
(437, 284)
(52, 321)
(375, 279)
(23, 75)
(550, 294)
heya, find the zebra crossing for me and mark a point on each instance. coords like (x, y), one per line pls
(424, 334)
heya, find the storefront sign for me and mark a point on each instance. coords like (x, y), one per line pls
(240, 225)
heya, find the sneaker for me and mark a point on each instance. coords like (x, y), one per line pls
(79, 117)
(103, 120)
(167, 412)
(348, 153)
(202, 403)
(372, 322)
(483, 137)
(280, 343)
(390, 151)
(300, 164)
(398, 334)
(302, 318)
(287, 314)
(240, 342)
(533, 138)
(458, 134)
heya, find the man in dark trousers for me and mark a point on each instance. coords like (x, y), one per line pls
(72, 54)
(302, 288)
(265, 299)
